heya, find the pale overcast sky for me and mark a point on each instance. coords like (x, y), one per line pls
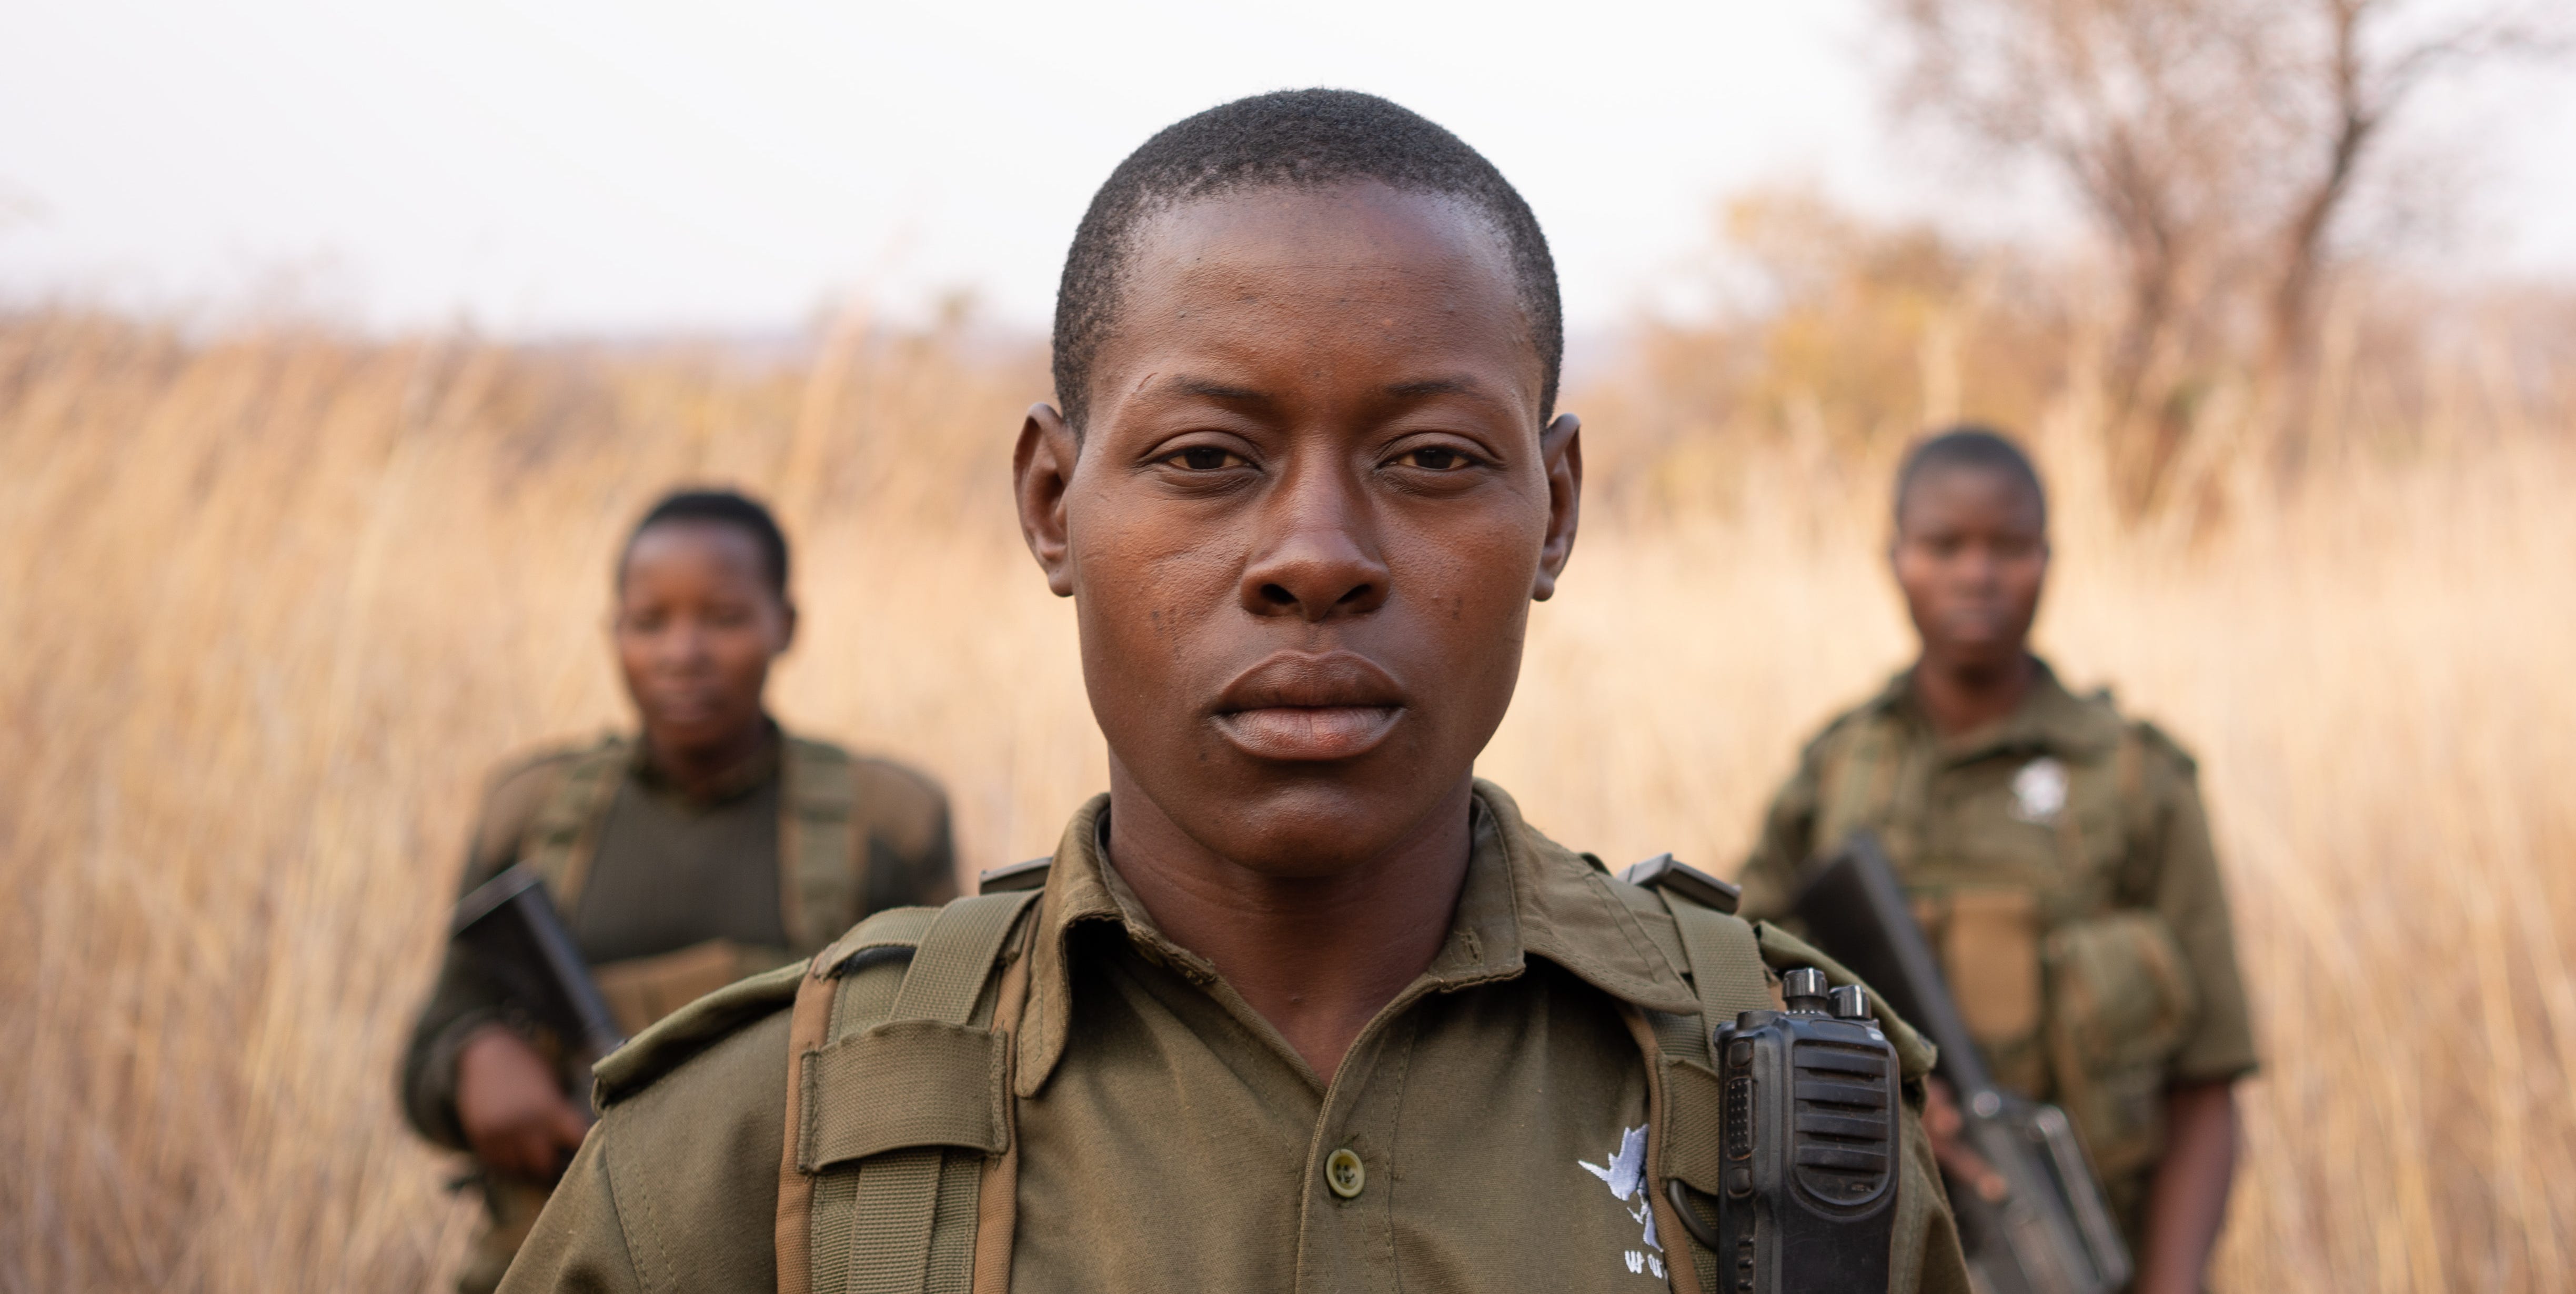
(633, 167)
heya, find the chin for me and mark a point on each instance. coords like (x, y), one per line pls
(1321, 823)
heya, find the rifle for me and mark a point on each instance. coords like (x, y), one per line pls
(512, 923)
(2051, 1233)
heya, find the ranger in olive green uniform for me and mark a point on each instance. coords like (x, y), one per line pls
(1299, 1004)
(1161, 1134)
(670, 889)
(2057, 855)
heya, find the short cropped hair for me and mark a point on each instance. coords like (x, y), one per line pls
(1969, 446)
(721, 508)
(1297, 139)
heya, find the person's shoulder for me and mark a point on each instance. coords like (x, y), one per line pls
(518, 787)
(544, 762)
(669, 1051)
(2167, 754)
(1850, 723)
(891, 783)
(890, 799)
(692, 1130)
(701, 1046)
(2162, 758)
(876, 778)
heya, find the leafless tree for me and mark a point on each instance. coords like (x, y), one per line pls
(2217, 144)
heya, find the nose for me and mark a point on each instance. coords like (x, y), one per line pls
(1318, 554)
(684, 645)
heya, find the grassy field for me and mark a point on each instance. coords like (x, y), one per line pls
(272, 603)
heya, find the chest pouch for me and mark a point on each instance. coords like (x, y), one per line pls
(2121, 1003)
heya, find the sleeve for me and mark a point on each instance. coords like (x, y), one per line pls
(463, 998)
(579, 1245)
(2192, 897)
(1769, 876)
(911, 852)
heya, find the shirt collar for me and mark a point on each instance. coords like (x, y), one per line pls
(1524, 895)
(2050, 720)
(738, 781)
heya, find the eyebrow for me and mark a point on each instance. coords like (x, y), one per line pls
(1426, 386)
(1436, 386)
(1209, 389)
(1200, 386)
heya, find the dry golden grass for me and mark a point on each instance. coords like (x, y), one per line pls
(272, 604)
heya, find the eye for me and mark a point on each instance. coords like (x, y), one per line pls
(1204, 458)
(1435, 458)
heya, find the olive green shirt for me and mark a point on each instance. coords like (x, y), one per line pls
(1170, 1139)
(671, 869)
(2022, 844)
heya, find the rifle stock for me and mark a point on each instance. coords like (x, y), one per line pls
(2051, 1233)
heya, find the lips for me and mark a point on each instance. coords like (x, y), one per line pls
(1308, 708)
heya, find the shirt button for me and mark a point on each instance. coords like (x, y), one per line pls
(1345, 1174)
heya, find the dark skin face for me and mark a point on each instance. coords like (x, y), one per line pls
(1302, 532)
(1971, 554)
(697, 629)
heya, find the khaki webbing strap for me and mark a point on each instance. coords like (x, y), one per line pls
(1725, 965)
(956, 957)
(822, 881)
(1725, 962)
(564, 835)
(1655, 1041)
(807, 1028)
(907, 1221)
(997, 1201)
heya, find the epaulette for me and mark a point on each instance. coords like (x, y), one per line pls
(1835, 727)
(2162, 743)
(540, 759)
(692, 1029)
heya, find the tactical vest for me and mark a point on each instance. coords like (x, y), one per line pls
(2078, 992)
(822, 881)
(899, 1168)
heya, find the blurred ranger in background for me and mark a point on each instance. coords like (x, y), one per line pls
(710, 846)
(2056, 854)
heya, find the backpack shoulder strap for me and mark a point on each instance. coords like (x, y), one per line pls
(898, 1096)
(1725, 964)
(822, 880)
(564, 835)
(1722, 955)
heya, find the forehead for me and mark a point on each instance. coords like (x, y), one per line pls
(694, 541)
(1953, 494)
(1269, 268)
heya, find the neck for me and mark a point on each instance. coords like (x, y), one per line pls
(695, 768)
(1316, 956)
(1961, 698)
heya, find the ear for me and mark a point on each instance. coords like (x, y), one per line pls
(1041, 475)
(1560, 452)
(786, 625)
